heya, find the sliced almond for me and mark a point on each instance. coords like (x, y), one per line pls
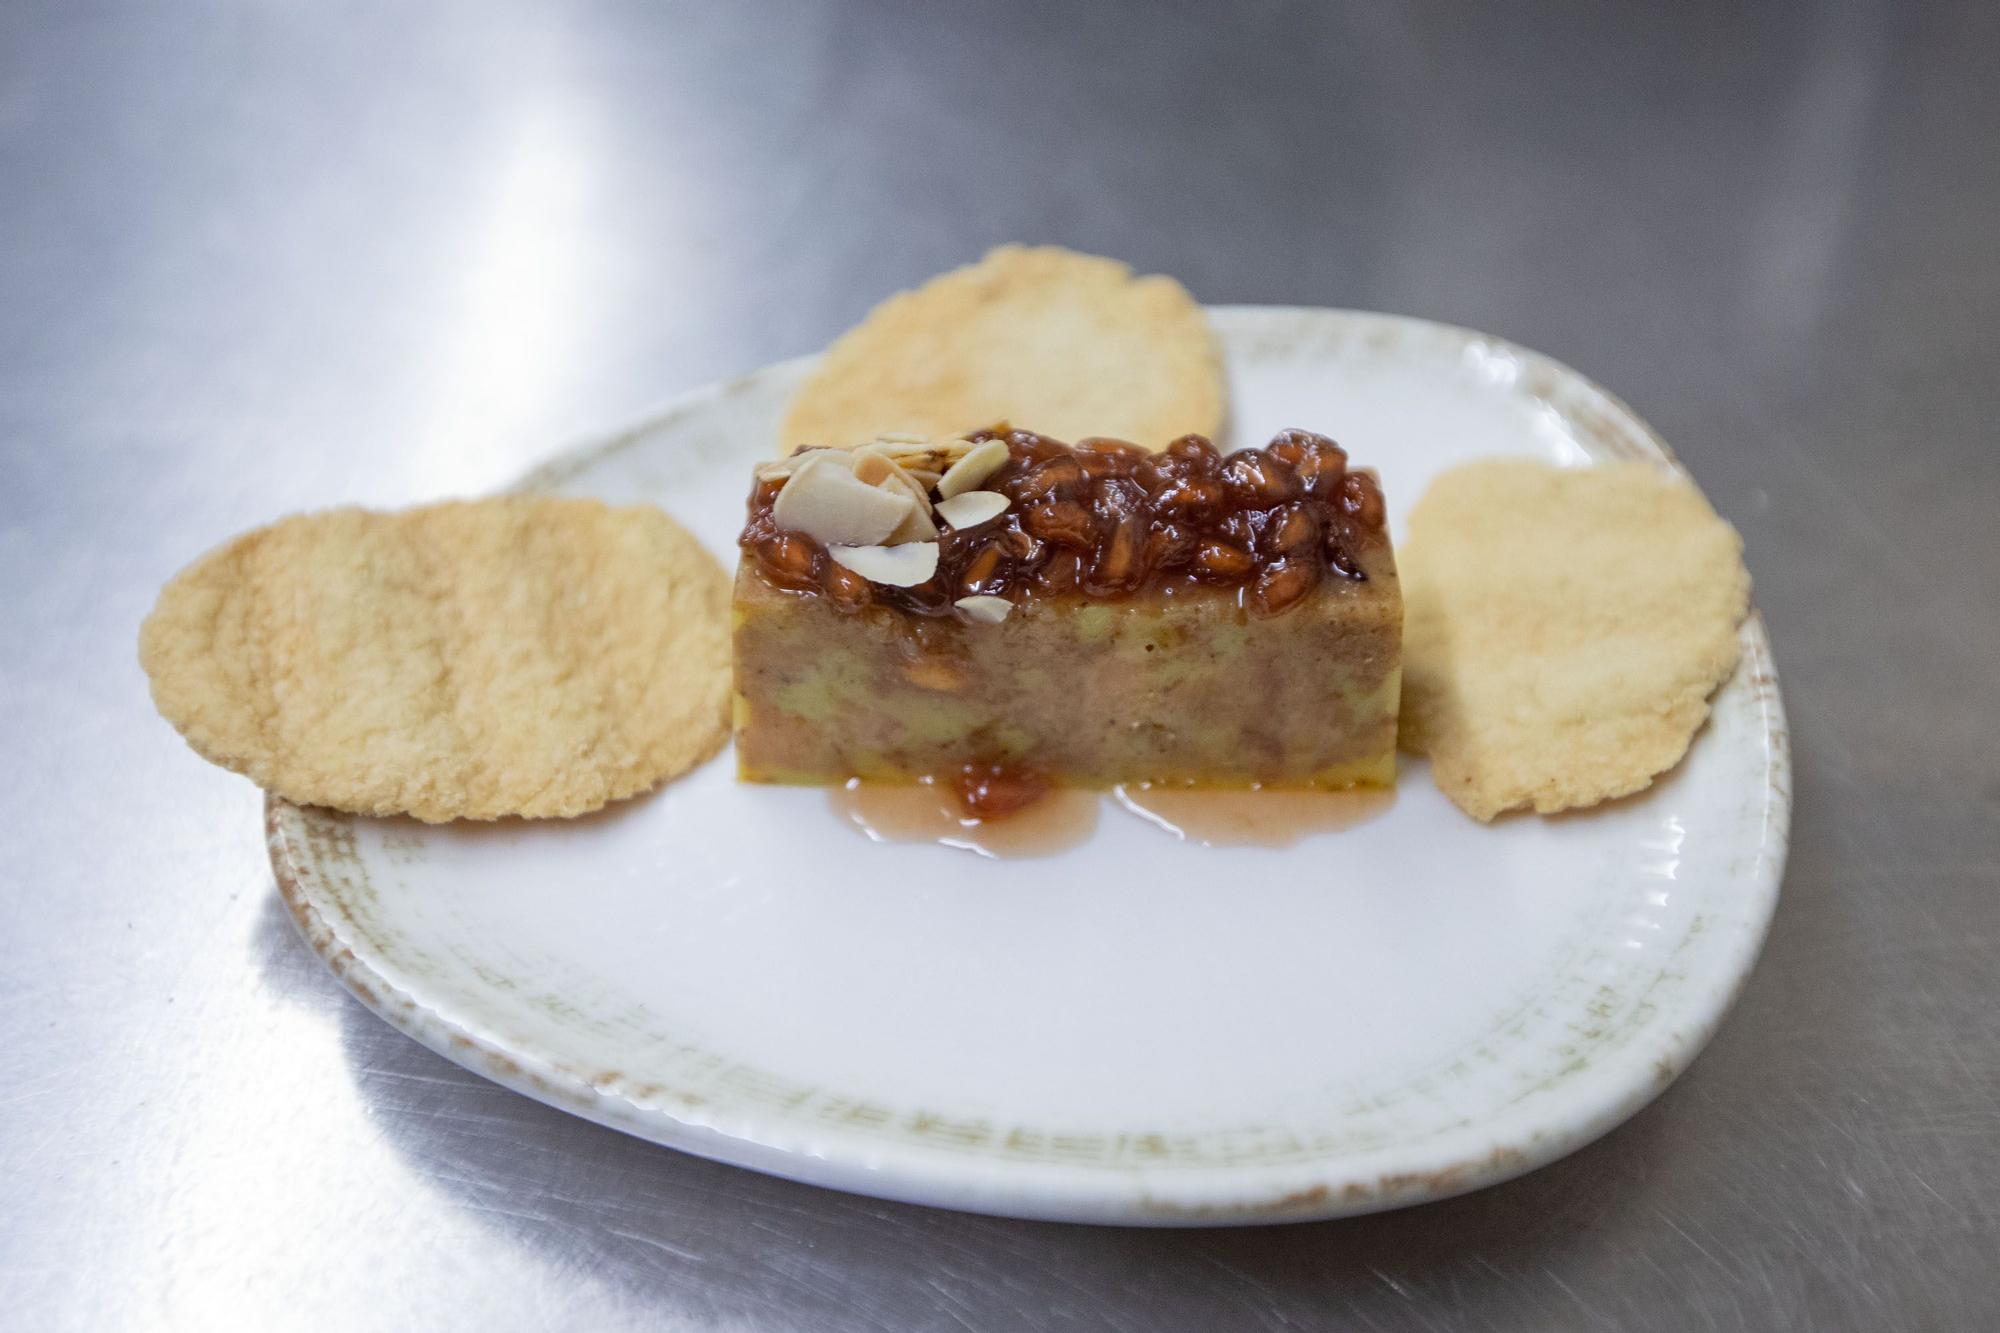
(871, 466)
(918, 527)
(970, 472)
(985, 609)
(899, 477)
(968, 509)
(824, 501)
(785, 467)
(926, 461)
(903, 566)
(930, 456)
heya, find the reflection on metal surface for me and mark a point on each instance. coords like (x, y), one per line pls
(1826, 109)
(525, 296)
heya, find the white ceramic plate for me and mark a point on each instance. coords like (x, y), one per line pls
(1136, 1030)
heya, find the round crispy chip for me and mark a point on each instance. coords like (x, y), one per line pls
(1066, 344)
(524, 655)
(1563, 630)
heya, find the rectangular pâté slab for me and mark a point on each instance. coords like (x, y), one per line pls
(1178, 618)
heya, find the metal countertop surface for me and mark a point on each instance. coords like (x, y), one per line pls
(254, 261)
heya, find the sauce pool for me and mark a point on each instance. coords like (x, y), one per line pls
(933, 812)
(929, 811)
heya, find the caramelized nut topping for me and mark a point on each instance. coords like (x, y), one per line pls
(846, 589)
(1281, 584)
(979, 576)
(993, 791)
(1103, 518)
(1064, 522)
(1219, 562)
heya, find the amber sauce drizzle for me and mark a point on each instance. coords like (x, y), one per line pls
(1252, 818)
(930, 812)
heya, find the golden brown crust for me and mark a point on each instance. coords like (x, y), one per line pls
(524, 655)
(1067, 344)
(1563, 631)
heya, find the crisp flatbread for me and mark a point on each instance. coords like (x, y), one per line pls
(1067, 344)
(524, 655)
(1563, 630)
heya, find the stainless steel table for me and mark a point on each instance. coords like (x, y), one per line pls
(253, 261)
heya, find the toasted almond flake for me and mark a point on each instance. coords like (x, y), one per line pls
(824, 501)
(918, 527)
(917, 491)
(902, 437)
(970, 472)
(903, 566)
(968, 509)
(871, 466)
(984, 609)
(928, 458)
(786, 466)
(927, 461)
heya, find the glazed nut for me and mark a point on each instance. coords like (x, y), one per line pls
(825, 502)
(1194, 452)
(1361, 497)
(1192, 497)
(1281, 585)
(789, 558)
(1169, 546)
(1115, 498)
(1018, 545)
(1059, 478)
(1120, 561)
(984, 610)
(1064, 523)
(979, 573)
(1294, 531)
(902, 566)
(1222, 561)
(847, 590)
(970, 472)
(1062, 572)
(1254, 478)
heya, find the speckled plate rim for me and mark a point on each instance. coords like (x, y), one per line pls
(1590, 1101)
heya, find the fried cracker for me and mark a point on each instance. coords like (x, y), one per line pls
(524, 655)
(1563, 630)
(1066, 344)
